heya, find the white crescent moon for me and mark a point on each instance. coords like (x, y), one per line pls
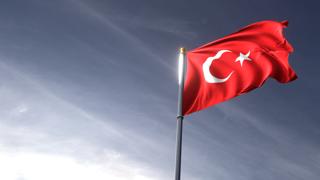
(206, 69)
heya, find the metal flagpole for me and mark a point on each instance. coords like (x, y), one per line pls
(182, 71)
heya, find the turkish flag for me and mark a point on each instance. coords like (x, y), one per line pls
(236, 64)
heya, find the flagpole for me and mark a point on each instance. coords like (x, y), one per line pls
(182, 71)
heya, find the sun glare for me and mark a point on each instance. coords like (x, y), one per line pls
(35, 166)
(180, 67)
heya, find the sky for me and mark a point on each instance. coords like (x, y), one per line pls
(88, 90)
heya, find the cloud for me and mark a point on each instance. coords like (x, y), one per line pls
(39, 166)
(43, 136)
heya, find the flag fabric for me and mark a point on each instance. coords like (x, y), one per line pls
(236, 64)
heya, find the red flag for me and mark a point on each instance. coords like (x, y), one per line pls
(236, 64)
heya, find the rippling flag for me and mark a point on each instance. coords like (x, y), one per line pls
(236, 64)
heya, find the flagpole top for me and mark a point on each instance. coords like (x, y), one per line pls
(182, 50)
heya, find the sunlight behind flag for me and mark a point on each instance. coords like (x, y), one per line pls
(181, 62)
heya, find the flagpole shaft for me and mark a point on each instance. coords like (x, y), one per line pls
(179, 147)
(182, 71)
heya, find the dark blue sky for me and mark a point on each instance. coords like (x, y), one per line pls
(88, 90)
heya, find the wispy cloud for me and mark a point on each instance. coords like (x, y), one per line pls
(175, 27)
(136, 42)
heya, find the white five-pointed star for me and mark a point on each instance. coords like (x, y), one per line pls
(243, 57)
